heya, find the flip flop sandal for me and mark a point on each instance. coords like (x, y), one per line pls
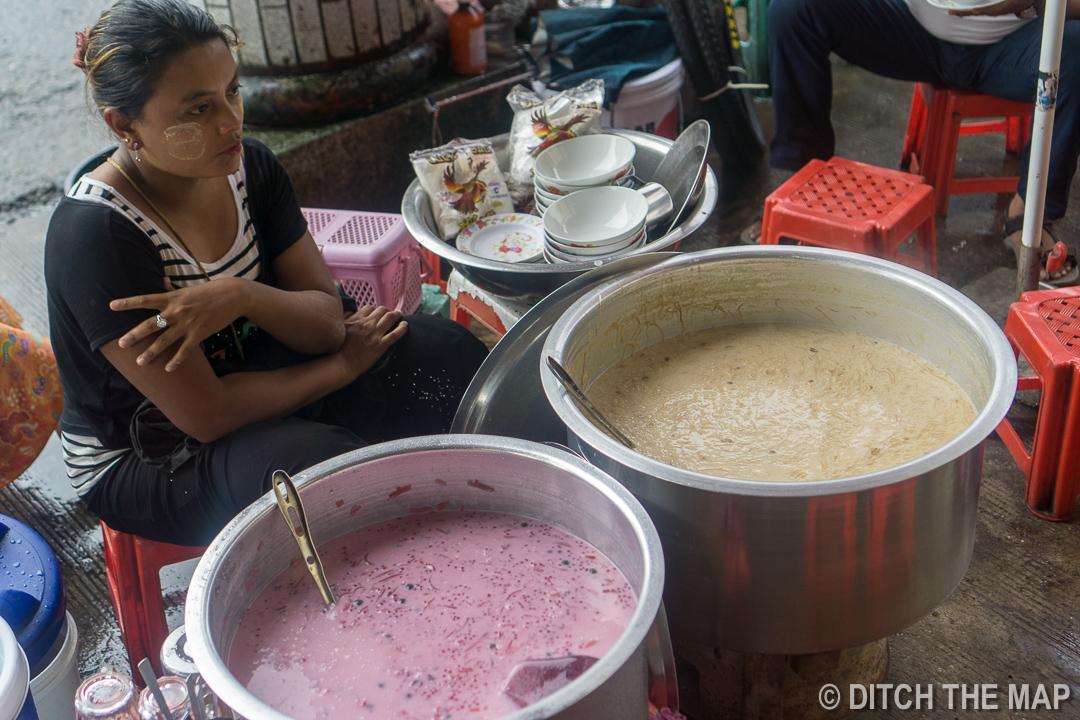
(1049, 260)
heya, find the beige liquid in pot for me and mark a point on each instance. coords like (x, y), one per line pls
(781, 402)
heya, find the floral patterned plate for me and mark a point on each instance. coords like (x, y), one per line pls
(509, 237)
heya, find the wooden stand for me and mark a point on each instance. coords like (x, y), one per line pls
(719, 684)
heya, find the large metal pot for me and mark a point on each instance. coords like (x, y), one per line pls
(793, 568)
(530, 479)
(532, 281)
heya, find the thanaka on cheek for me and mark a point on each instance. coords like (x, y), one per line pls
(185, 141)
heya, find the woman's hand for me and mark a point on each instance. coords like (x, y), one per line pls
(192, 313)
(369, 333)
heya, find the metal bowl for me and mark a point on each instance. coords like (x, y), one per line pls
(794, 568)
(530, 479)
(530, 282)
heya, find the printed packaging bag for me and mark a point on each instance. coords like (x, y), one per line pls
(538, 124)
(464, 183)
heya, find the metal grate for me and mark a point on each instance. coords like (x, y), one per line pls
(851, 193)
(1062, 315)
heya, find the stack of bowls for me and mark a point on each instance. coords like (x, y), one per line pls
(595, 223)
(588, 161)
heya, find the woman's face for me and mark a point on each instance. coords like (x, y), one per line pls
(192, 124)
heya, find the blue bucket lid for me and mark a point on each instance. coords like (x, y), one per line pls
(31, 589)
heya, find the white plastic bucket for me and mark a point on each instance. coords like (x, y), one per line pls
(16, 702)
(651, 103)
(54, 687)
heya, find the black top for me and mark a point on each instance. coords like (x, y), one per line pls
(99, 249)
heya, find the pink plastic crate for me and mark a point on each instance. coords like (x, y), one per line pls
(372, 255)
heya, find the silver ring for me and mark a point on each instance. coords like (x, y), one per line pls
(162, 323)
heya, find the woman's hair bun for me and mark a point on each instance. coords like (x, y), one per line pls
(82, 37)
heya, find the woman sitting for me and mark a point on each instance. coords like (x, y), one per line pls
(200, 339)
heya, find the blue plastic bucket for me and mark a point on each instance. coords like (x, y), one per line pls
(32, 604)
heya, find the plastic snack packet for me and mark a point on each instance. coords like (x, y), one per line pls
(464, 183)
(538, 124)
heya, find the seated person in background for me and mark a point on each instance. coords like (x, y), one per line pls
(200, 339)
(993, 50)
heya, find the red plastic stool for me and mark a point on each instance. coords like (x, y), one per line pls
(132, 565)
(1044, 327)
(939, 116)
(853, 206)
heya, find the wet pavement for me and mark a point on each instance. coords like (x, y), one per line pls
(1015, 617)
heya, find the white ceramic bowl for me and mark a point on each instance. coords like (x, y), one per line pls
(596, 215)
(555, 189)
(586, 160)
(558, 190)
(589, 249)
(550, 196)
(560, 255)
(552, 260)
(552, 250)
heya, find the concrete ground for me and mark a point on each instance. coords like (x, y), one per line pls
(1014, 619)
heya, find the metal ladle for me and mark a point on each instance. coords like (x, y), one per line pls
(579, 395)
(292, 509)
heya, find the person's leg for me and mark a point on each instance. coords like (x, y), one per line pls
(1010, 69)
(418, 388)
(192, 504)
(878, 35)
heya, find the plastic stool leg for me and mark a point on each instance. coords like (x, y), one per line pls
(930, 146)
(151, 557)
(125, 592)
(946, 163)
(1052, 487)
(916, 129)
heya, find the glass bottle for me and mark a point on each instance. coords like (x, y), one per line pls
(174, 690)
(106, 695)
(468, 47)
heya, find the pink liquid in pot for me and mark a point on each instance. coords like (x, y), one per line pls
(433, 613)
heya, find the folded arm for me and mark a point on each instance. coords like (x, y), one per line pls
(303, 312)
(207, 407)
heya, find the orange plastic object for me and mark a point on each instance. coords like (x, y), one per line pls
(132, 565)
(465, 307)
(939, 116)
(468, 44)
(853, 206)
(1044, 327)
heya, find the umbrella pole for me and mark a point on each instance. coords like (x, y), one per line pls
(1027, 276)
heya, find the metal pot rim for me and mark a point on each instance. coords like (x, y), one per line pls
(988, 418)
(214, 668)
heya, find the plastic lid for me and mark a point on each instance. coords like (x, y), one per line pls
(31, 589)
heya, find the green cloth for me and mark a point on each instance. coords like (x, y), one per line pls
(613, 44)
